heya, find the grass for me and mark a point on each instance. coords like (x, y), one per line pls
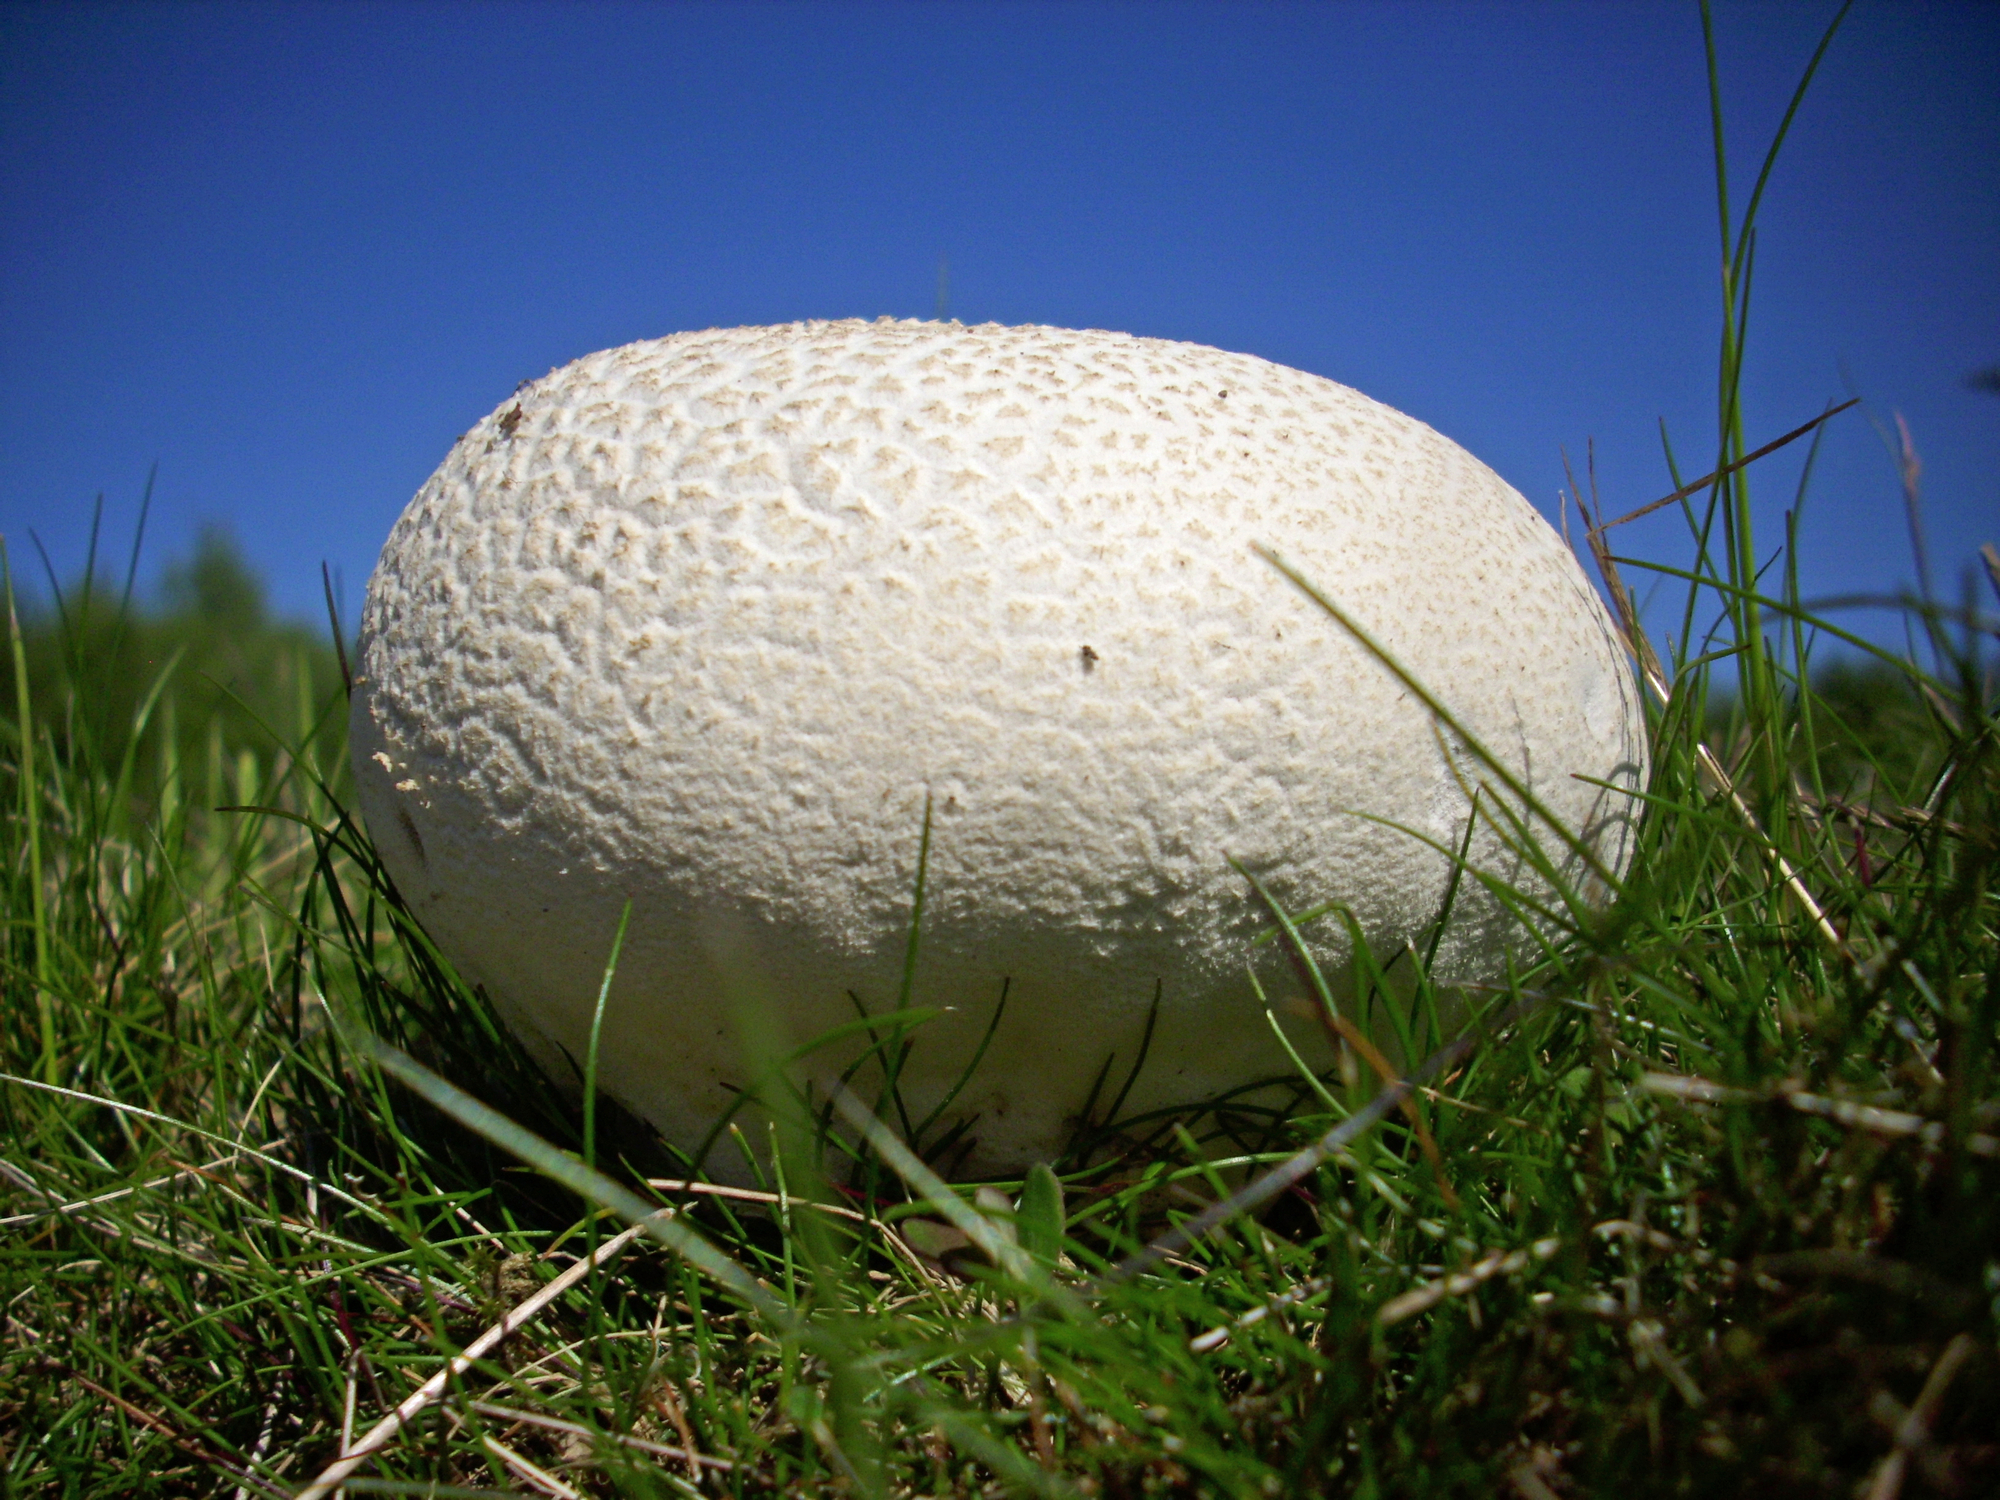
(1708, 1198)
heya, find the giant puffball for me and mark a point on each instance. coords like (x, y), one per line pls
(705, 623)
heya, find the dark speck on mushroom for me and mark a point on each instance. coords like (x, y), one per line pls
(1089, 659)
(410, 831)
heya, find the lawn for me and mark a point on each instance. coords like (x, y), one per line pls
(1706, 1198)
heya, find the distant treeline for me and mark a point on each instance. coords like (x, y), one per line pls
(1875, 732)
(212, 682)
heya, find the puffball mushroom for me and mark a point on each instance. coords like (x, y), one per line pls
(705, 623)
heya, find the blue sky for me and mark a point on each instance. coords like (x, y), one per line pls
(289, 252)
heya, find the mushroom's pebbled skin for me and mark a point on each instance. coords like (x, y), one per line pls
(702, 622)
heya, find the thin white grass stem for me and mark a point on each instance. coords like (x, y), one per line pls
(1712, 767)
(577, 1429)
(1498, 1263)
(378, 1437)
(349, 1393)
(753, 1195)
(266, 1422)
(1215, 1338)
(1869, 1117)
(119, 1231)
(125, 1192)
(541, 1478)
(120, 1107)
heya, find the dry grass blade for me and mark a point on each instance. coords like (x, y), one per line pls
(536, 1475)
(1215, 1338)
(1913, 1431)
(1498, 1263)
(192, 1449)
(1869, 1117)
(384, 1432)
(621, 1439)
(1727, 469)
(785, 1201)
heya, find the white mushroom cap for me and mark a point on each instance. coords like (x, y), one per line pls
(701, 622)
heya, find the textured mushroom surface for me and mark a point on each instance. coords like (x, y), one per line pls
(700, 623)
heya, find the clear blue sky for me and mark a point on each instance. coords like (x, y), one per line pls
(291, 251)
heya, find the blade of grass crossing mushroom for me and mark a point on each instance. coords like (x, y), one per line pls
(586, 1182)
(1451, 885)
(773, 1071)
(1345, 1029)
(590, 1097)
(1360, 1041)
(963, 1217)
(1041, 1218)
(1139, 1061)
(596, 1036)
(894, 1049)
(1576, 845)
(965, 1074)
(893, 1060)
(1312, 1080)
(1089, 1129)
(1294, 942)
(1296, 1169)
